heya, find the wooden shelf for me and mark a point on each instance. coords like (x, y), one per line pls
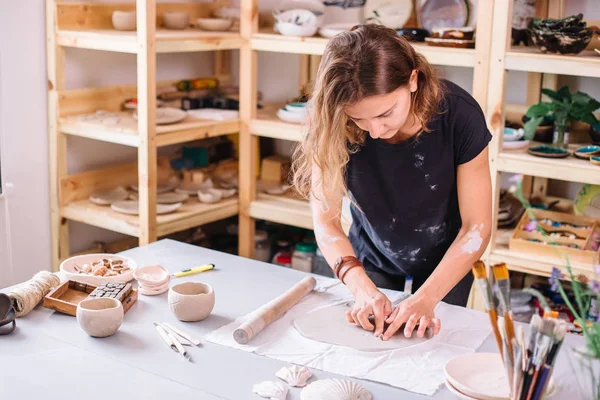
(267, 124)
(274, 42)
(566, 169)
(191, 214)
(530, 59)
(527, 262)
(125, 132)
(167, 41)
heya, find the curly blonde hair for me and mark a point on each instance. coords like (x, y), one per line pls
(368, 60)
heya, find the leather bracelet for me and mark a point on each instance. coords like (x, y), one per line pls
(347, 267)
(340, 262)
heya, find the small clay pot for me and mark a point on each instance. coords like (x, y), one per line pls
(100, 316)
(191, 301)
(176, 20)
(124, 20)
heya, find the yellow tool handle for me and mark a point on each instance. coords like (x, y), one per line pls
(194, 270)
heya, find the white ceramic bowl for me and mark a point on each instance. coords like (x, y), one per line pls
(290, 29)
(100, 317)
(315, 6)
(176, 20)
(297, 108)
(67, 267)
(214, 24)
(124, 20)
(151, 276)
(289, 116)
(191, 301)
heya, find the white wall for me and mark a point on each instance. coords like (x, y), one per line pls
(23, 127)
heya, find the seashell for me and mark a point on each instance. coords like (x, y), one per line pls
(210, 195)
(335, 389)
(295, 375)
(226, 193)
(271, 390)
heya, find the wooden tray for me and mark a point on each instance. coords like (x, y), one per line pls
(520, 239)
(69, 294)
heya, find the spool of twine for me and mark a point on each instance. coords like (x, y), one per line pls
(29, 294)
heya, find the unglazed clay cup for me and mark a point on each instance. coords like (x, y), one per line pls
(100, 317)
(176, 20)
(124, 20)
(191, 301)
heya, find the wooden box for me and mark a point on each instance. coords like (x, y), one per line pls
(275, 169)
(578, 248)
(69, 294)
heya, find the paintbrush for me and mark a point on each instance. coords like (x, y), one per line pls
(517, 369)
(560, 331)
(534, 328)
(503, 281)
(479, 272)
(506, 353)
(543, 340)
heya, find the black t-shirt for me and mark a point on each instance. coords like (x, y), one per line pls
(407, 192)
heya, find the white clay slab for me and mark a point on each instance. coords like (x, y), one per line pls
(329, 325)
(131, 207)
(105, 198)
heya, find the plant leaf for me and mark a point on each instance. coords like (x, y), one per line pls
(539, 110)
(553, 95)
(588, 118)
(530, 127)
(565, 93)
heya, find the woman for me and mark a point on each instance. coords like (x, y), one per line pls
(410, 151)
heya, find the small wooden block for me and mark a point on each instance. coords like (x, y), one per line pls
(69, 294)
(275, 168)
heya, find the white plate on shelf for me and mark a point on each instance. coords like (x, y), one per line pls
(105, 198)
(132, 207)
(161, 187)
(67, 267)
(519, 144)
(165, 198)
(330, 30)
(167, 115)
(290, 116)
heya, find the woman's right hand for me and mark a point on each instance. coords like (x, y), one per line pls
(368, 300)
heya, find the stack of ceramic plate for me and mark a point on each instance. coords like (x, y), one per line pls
(293, 112)
(513, 138)
(153, 279)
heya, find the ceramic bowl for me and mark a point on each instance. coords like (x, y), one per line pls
(214, 24)
(512, 135)
(413, 34)
(289, 116)
(191, 301)
(316, 7)
(124, 20)
(176, 20)
(595, 133)
(455, 43)
(210, 196)
(151, 276)
(67, 267)
(299, 108)
(560, 42)
(463, 33)
(292, 29)
(296, 22)
(595, 160)
(586, 152)
(548, 151)
(100, 317)
(154, 290)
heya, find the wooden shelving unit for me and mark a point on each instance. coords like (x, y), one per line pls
(542, 70)
(88, 26)
(264, 122)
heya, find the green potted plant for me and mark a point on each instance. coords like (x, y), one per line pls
(565, 107)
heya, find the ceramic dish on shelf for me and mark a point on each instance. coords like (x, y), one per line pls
(228, 13)
(176, 20)
(167, 115)
(595, 160)
(548, 151)
(316, 7)
(165, 198)
(152, 275)
(392, 14)
(192, 188)
(296, 22)
(459, 44)
(131, 207)
(297, 108)
(442, 13)
(105, 198)
(214, 24)
(517, 144)
(210, 196)
(569, 35)
(462, 33)
(413, 34)
(512, 134)
(153, 291)
(586, 152)
(124, 20)
(161, 187)
(289, 116)
(71, 267)
(331, 30)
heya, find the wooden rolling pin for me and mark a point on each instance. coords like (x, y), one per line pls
(273, 310)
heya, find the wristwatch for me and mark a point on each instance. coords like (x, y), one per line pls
(344, 264)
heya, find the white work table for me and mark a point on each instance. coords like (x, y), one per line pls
(49, 357)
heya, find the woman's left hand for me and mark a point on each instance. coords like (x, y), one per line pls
(416, 310)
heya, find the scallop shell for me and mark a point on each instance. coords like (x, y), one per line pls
(295, 375)
(335, 389)
(271, 390)
(210, 195)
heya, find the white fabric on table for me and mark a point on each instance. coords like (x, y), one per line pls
(418, 368)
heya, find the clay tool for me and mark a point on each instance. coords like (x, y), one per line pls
(560, 331)
(195, 270)
(503, 281)
(273, 310)
(486, 292)
(179, 346)
(165, 336)
(184, 335)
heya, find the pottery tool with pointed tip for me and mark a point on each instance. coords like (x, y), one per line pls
(179, 346)
(165, 336)
(182, 334)
(479, 271)
(273, 310)
(502, 278)
(195, 270)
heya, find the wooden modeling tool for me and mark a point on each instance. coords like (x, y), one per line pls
(195, 270)
(503, 281)
(273, 310)
(485, 289)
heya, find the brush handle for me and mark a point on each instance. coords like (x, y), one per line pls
(543, 380)
(532, 384)
(493, 314)
(510, 328)
(527, 377)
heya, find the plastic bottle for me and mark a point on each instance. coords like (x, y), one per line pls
(262, 247)
(303, 256)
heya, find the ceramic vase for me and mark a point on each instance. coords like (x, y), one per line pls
(100, 317)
